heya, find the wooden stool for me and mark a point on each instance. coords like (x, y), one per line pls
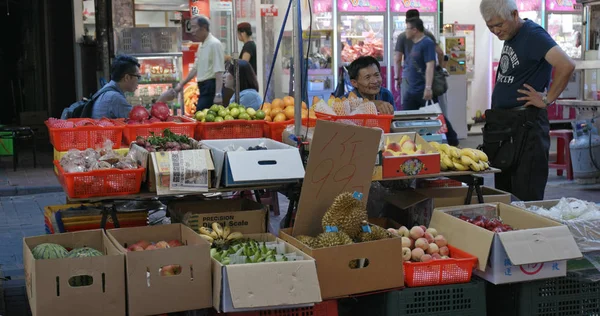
(563, 153)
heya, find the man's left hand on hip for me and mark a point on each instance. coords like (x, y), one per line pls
(532, 97)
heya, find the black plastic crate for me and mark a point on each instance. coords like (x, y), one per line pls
(455, 299)
(576, 294)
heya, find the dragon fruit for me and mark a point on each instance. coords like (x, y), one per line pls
(160, 111)
(138, 113)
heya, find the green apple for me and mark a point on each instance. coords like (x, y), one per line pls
(260, 115)
(244, 116)
(205, 111)
(218, 119)
(210, 117)
(251, 112)
(235, 112)
(228, 118)
(222, 113)
(215, 108)
(199, 115)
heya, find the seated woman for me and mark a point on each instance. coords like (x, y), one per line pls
(249, 96)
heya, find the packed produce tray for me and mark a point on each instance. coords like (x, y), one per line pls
(274, 130)
(457, 269)
(186, 127)
(230, 129)
(76, 217)
(366, 120)
(97, 183)
(84, 137)
(325, 308)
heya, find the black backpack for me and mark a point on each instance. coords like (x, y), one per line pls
(84, 107)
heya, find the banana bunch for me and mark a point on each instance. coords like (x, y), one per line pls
(453, 158)
(190, 98)
(219, 236)
(253, 251)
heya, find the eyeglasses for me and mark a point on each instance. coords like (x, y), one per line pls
(136, 75)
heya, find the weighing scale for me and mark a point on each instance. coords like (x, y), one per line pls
(423, 121)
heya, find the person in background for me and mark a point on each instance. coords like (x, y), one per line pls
(248, 53)
(249, 96)
(365, 76)
(209, 65)
(402, 51)
(516, 134)
(421, 63)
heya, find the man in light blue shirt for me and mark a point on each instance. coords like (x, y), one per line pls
(125, 76)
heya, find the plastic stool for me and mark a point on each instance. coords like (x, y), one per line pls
(563, 153)
(19, 134)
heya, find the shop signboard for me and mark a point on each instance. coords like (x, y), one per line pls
(362, 5)
(269, 10)
(530, 5)
(200, 7)
(422, 5)
(561, 5)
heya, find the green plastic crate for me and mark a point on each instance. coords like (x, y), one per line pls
(576, 294)
(6, 144)
(444, 300)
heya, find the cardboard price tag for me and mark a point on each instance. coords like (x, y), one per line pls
(342, 159)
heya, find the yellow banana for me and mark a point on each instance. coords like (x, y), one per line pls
(467, 161)
(403, 139)
(445, 149)
(205, 231)
(217, 228)
(486, 165)
(468, 152)
(208, 238)
(460, 167)
(482, 156)
(443, 166)
(226, 231)
(482, 166)
(455, 152)
(234, 236)
(475, 167)
(447, 161)
(435, 145)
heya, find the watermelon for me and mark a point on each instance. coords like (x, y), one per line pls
(83, 280)
(84, 252)
(49, 251)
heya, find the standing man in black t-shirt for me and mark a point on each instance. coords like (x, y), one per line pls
(516, 134)
(248, 52)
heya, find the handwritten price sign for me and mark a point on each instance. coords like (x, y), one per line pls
(342, 159)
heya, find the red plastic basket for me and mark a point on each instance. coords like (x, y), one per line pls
(131, 131)
(457, 269)
(367, 120)
(84, 137)
(230, 129)
(107, 182)
(274, 130)
(325, 308)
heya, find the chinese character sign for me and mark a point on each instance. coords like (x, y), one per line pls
(560, 5)
(200, 7)
(362, 5)
(421, 5)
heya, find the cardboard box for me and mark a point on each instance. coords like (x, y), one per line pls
(345, 150)
(268, 285)
(281, 163)
(408, 207)
(159, 174)
(410, 165)
(33, 118)
(242, 215)
(585, 232)
(537, 249)
(454, 196)
(47, 281)
(148, 292)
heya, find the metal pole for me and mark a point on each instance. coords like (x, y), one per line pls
(234, 52)
(297, 37)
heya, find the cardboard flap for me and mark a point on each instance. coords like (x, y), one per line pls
(276, 284)
(265, 165)
(460, 234)
(539, 245)
(342, 160)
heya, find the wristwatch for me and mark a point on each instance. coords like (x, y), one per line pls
(545, 100)
(218, 95)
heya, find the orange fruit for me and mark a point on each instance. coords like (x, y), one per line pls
(266, 106)
(280, 117)
(288, 100)
(289, 112)
(267, 111)
(304, 113)
(268, 118)
(277, 103)
(275, 111)
(311, 114)
(304, 105)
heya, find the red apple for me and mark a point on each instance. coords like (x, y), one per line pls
(394, 147)
(151, 247)
(493, 223)
(498, 229)
(444, 251)
(426, 258)
(174, 243)
(408, 146)
(429, 237)
(388, 153)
